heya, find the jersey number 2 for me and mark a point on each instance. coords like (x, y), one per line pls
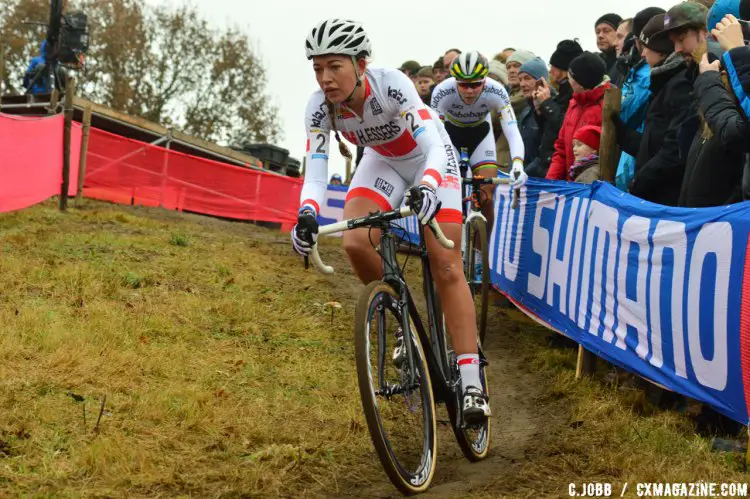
(411, 121)
(320, 148)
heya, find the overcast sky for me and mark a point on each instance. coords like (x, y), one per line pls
(401, 30)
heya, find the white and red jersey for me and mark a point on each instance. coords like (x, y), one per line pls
(395, 124)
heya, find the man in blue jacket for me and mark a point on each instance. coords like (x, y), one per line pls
(37, 75)
(635, 96)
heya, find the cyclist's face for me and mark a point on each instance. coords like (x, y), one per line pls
(470, 91)
(336, 75)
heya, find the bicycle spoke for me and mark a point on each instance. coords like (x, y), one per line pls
(399, 408)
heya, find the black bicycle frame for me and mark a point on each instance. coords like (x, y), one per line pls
(440, 374)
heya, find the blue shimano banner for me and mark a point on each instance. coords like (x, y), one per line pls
(653, 289)
(332, 210)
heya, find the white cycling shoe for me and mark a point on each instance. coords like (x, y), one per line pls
(476, 408)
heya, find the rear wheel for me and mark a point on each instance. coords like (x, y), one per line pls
(479, 282)
(400, 415)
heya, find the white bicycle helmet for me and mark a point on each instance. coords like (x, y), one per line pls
(337, 36)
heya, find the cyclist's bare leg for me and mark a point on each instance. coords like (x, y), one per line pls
(487, 198)
(458, 305)
(358, 243)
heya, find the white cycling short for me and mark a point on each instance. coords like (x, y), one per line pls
(385, 180)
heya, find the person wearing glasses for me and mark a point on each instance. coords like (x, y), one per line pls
(464, 103)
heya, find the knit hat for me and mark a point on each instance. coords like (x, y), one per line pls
(498, 69)
(643, 17)
(589, 135)
(655, 37)
(425, 72)
(521, 57)
(738, 8)
(612, 19)
(588, 70)
(536, 68)
(686, 15)
(567, 50)
(410, 66)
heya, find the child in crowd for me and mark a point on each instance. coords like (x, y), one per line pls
(585, 169)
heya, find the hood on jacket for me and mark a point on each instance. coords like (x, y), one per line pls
(593, 95)
(672, 62)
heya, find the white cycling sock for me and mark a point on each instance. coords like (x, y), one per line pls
(468, 366)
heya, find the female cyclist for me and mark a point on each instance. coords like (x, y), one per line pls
(405, 144)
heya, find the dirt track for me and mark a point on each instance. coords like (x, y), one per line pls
(516, 421)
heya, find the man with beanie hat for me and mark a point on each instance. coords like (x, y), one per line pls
(606, 38)
(517, 101)
(635, 95)
(659, 166)
(566, 51)
(589, 84)
(530, 73)
(643, 17)
(586, 72)
(498, 72)
(514, 63)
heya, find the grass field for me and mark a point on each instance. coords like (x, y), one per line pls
(227, 375)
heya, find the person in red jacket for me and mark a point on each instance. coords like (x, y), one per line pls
(588, 80)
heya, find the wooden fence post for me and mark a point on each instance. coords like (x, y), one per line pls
(54, 98)
(608, 158)
(68, 113)
(84, 151)
(608, 150)
(165, 169)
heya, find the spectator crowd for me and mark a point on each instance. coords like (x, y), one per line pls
(682, 132)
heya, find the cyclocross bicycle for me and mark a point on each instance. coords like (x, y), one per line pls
(399, 395)
(475, 237)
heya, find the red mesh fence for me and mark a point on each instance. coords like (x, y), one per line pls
(31, 157)
(130, 172)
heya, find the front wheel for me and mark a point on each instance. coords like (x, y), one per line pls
(397, 399)
(478, 275)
